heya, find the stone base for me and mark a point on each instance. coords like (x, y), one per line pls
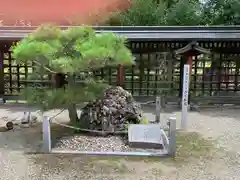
(148, 136)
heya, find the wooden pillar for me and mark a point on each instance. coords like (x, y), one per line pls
(1, 75)
(170, 67)
(120, 76)
(213, 75)
(189, 61)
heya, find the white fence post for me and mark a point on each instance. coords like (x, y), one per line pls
(185, 93)
(172, 136)
(158, 109)
(46, 135)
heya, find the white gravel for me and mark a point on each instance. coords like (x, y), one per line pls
(100, 144)
(222, 126)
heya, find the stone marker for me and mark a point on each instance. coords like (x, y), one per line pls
(146, 136)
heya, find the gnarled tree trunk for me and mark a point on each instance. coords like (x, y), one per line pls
(72, 109)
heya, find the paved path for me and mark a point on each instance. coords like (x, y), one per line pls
(222, 126)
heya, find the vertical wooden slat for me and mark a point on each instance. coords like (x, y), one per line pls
(227, 74)
(212, 71)
(1, 74)
(10, 72)
(156, 75)
(18, 78)
(195, 75)
(141, 73)
(219, 74)
(176, 76)
(170, 72)
(132, 79)
(26, 74)
(148, 73)
(203, 77)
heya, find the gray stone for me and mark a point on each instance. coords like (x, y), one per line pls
(146, 136)
(115, 109)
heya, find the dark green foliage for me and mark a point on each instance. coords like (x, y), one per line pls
(179, 13)
(184, 13)
(142, 12)
(221, 12)
(48, 98)
(67, 52)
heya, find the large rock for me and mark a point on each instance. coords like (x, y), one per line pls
(112, 112)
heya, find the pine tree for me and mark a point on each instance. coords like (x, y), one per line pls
(63, 54)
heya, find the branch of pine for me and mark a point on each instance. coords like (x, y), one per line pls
(46, 68)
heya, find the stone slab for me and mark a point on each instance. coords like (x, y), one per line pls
(145, 136)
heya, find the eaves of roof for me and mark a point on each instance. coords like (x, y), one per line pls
(144, 33)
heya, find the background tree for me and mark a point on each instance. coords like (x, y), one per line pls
(184, 13)
(70, 52)
(221, 12)
(158, 13)
(178, 13)
(141, 13)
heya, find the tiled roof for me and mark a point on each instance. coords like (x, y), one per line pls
(170, 33)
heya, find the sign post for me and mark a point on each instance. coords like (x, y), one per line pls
(185, 93)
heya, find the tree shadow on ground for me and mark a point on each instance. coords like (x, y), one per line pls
(190, 146)
(30, 139)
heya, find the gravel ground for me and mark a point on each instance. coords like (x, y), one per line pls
(100, 144)
(222, 126)
(90, 143)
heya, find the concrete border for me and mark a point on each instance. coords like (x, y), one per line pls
(48, 149)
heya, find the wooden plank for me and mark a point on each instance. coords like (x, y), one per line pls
(1, 75)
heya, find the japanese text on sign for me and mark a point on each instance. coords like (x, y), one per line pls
(185, 85)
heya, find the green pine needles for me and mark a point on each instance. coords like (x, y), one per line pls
(73, 51)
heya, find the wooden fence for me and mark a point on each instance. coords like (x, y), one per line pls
(157, 71)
